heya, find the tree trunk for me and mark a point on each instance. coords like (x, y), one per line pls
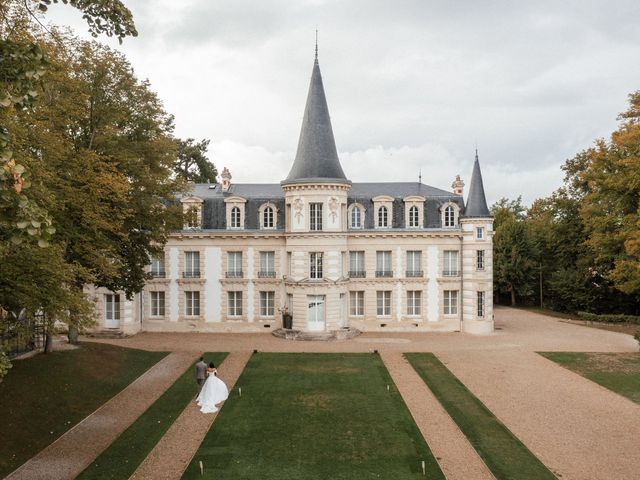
(513, 297)
(73, 335)
(48, 343)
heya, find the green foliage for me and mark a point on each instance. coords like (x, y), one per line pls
(314, 416)
(192, 164)
(128, 451)
(5, 365)
(46, 395)
(637, 336)
(514, 253)
(610, 318)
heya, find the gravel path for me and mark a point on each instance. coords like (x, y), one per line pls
(457, 458)
(172, 454)
(76, 449)
(578, 429)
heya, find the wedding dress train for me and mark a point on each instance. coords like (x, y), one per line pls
(213, 392)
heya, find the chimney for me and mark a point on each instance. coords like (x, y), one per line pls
(226, 179)
(458, 186)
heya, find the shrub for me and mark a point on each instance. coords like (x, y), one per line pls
(637, 336)
(5, 364)
(610, 318)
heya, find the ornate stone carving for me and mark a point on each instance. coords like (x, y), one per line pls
(333, 208)
(298, 205)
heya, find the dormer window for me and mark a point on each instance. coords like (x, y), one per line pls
(449, 213)
(383, 217)
(357, 216)
(413, 217)
(235, 212)
(192, 213)
(235, 217)
(267, 218)
(448, 217)
(383, 208)
(414, 211)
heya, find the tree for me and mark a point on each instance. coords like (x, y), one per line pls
(514, 254)
(193, 164)
(606, 178)
(101, 150)
(22, 69)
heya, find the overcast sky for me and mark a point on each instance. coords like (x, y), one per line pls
(411, 85)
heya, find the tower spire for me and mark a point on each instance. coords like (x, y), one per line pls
(476, 201)
(316, 59)
(317, 157)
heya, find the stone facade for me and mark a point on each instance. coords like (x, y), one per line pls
(411, 258)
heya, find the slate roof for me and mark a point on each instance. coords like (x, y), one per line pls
(257, 194)
(317, 157)
(476, 201)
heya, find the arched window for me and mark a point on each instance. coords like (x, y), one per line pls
(267, 218)
(235, 217)
(413, 217)
(449, 217)
(383, 218)
(356, 218)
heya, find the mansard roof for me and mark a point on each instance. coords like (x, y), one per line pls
(476, 201)
(317, 156)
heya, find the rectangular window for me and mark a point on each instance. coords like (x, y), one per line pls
(234, 264)
(235, 304)
(191, 264)
(479, 233)
(480, 304)
(192, 304)
(356, 264)
(112, 307)
(414, 263)
(315, 265)
(451, 263)
(315, 216)
(157, 266)
(267, 300)
(479, 259)
(450, 302)
(383, 302)
(157, 304)
(383, 263)
(356, 301)
(414, 302)
(267, 265)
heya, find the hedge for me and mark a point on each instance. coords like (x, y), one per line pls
(610, 318)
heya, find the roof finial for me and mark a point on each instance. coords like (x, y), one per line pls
(420, 175)
(316, 44)
(476, 151)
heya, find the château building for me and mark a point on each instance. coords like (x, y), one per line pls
(331, 252)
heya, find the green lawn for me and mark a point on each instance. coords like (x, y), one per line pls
(314, 416)
(503, 453)
(128, 451)
(44, 396)
(619, 372)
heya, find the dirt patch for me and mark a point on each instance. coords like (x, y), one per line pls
(611, 362)
(317, 401)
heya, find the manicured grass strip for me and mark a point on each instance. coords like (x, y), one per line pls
(128, 451)
(44, 396)
(503, 453)
(308, 416)
(619, 372)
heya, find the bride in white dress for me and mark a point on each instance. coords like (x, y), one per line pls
(213, 391)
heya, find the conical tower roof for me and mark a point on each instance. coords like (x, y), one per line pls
(476, 201)
(317, 157)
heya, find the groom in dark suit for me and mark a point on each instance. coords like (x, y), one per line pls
(201, 373)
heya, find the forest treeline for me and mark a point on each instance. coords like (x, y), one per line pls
(578, 249)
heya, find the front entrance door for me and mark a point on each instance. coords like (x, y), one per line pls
(112, 311)
(315, 313)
